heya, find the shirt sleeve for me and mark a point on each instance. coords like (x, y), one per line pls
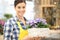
(7, 31)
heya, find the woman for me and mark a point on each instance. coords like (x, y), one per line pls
(11, 29)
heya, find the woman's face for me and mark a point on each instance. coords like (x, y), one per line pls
(20, 9)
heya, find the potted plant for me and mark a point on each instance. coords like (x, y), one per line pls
(38, 27)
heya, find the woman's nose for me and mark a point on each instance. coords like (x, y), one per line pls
(21, 9)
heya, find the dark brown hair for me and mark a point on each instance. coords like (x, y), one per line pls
(18, 1)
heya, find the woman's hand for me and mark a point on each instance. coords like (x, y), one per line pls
(33, 38)
(28, 38)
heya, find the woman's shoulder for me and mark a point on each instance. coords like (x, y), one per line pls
(11, 21)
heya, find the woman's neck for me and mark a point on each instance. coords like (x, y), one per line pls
(22, 19)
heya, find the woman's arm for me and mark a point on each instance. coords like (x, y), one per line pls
(7, 31)
(32, 38)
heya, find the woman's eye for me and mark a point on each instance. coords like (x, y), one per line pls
(23, 7)
(19, 7)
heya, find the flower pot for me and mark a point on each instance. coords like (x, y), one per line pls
(38, 32)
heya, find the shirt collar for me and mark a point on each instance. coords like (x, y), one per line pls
(17, 19)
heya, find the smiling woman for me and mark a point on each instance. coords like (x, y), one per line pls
(11, 27)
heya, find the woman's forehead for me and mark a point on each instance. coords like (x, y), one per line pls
(21, 4)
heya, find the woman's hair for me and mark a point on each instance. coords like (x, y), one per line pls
(18, 1)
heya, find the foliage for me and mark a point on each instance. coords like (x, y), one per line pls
(1, 26)
(38, 23)
(8, 15)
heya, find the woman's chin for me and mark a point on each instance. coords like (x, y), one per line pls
(20, 15)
